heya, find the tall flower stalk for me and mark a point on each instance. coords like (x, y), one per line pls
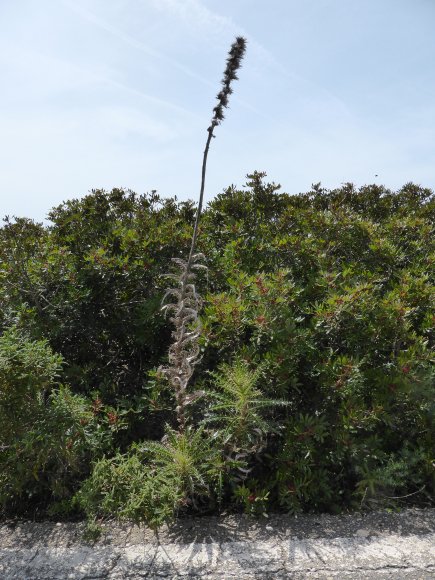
(184, 352)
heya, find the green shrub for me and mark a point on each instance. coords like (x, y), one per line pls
(48, 435)
(28, 370)
(153, 480)
(328, 294)
(125, 488)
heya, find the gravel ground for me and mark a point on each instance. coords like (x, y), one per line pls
(374, 545)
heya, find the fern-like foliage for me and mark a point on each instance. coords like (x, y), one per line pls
(238, 411)
(189, 458)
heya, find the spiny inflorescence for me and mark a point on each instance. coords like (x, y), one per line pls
(234, 61)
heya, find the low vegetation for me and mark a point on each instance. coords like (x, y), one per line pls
(314, 388)
(295, 370)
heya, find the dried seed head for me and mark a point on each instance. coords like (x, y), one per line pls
(234, 62)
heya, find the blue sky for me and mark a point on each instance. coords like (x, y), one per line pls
(119, 93)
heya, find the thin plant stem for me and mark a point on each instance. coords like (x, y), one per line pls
(201, 196)
(184, 350)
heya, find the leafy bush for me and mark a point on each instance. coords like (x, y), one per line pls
(125, 488)
(154, 480)
(328, 299)
(48, 435)
(27, 371)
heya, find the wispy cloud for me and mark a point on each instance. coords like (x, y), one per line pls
(192, 12)
(132, 41)
(218, 27)
(49, 75)
(212, 24)
(42, 74)
(196, 14)
(123, 122)
(151, 98)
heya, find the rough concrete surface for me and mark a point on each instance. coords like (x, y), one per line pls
(374, 545)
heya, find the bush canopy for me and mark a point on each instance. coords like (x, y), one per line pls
(316, 382)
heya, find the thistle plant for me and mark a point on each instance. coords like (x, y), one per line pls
(184, 352)
(237, 414)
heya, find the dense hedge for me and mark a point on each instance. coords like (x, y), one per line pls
(317, 360)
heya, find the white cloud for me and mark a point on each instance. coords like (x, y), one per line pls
(122, 123)
(195, 14)
(39, 75)
(131, 40)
